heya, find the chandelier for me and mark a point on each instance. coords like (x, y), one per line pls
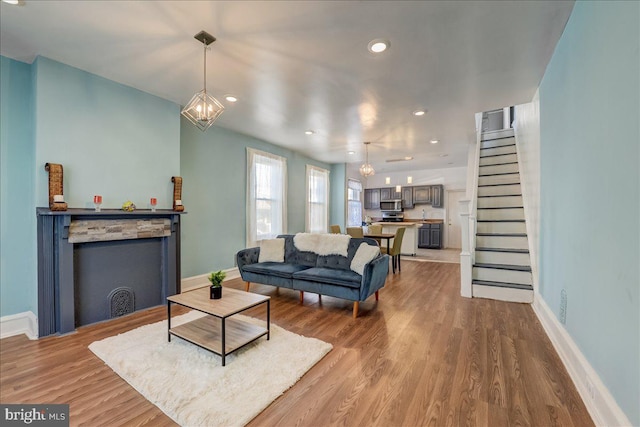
(366, 169)
(203, 109)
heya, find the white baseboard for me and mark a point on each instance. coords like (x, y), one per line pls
(21, 323)
(599, 402)
(200, 281)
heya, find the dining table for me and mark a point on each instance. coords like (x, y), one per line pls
(381, 236)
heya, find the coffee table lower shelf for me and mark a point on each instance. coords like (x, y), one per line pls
(207, 333)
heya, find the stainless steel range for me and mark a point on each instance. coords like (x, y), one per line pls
(392, 216)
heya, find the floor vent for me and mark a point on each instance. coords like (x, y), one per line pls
(121, 302)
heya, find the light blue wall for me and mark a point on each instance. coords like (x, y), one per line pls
(111, 139)
(590, 190)
(338, 202)
(17, 215)
(213, 166)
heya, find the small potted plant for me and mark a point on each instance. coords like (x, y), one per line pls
(216, 279)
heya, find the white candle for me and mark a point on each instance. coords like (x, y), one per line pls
(58, 198)
(178, 202)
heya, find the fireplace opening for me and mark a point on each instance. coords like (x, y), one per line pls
(115, 278)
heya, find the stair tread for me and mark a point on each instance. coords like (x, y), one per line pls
(498, 164)
(504, 266)
(503, 234)
(489, 148)
(502, 284)
(496, 155)
(505, 207)
(497, 174)
(495, 139)
(498, 185)
(502, 195)
(515, 251)
(500, 220)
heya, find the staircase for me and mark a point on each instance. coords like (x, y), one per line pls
(502, 268)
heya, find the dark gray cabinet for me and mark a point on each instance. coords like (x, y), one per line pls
(407, 197)
(372, 198)
(430, 236)
(437, 196)
(422, 194)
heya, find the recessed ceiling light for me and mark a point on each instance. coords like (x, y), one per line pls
(351, 152)
(378, 45)
(230, 98)
(11, 1)
(408, 158)
(434, 141)
(309, 132)
(419, 113)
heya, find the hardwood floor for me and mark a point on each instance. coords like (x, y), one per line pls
(421, 355)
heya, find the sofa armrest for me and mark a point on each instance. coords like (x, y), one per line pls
(247, 256)
(375, 276)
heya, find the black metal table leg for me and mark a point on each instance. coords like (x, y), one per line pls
(169, 321)
(223, 343)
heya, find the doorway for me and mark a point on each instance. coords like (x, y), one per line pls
(452, 224)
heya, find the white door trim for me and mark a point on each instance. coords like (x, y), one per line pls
(447, 228)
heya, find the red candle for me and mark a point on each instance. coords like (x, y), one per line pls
(154, 201)
(97, 199)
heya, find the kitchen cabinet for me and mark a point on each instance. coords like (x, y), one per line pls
(372, 198)
(437, 196)
(430, 236)
(422, 194)
(407, 197)
(388, 193)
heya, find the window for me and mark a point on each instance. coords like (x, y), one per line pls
(354, 203)
(317, 199)
(266, 196)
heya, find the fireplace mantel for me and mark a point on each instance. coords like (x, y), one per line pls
(56, 273)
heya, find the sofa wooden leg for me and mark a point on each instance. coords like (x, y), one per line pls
(246, 286)
(355, 309)
(301, 297)
(376, 295)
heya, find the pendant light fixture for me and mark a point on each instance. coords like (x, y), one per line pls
(203, 109)
(366, 169)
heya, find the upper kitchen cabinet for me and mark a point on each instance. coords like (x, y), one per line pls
(437, 196)
(422, 194)
(372, 198)
(407, 197)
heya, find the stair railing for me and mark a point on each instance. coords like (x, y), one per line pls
(468, 214)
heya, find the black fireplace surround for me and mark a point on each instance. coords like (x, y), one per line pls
(74, 279)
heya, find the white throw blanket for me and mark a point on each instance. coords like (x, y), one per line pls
(322, 244)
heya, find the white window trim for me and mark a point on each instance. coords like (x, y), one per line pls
(361, 191)
(251, 196)
(307, 226)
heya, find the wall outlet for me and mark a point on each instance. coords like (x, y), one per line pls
(563, 306)
(591, 389)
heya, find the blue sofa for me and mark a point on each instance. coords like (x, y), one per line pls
(329, 275)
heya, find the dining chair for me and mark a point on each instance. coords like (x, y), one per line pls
(375, 229)
(335, 229)
(355, 231)
(394, 252)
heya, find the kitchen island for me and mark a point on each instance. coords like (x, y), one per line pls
(410, 239)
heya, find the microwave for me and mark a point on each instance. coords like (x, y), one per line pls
(391, 205)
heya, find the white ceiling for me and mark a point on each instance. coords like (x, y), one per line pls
(305, 65)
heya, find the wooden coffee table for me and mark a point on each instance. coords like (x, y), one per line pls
(219, 332)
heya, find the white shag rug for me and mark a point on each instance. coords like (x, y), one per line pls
(323, 244)
(190, 384)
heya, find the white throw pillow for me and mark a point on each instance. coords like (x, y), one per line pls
(271, 250)
(365, 254)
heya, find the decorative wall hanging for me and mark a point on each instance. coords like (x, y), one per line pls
(56, 197)
(177, 193)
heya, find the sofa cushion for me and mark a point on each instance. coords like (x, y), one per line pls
(363, 256)
(271, 250)
(275, 269)
(294, 256)
(330, 275)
